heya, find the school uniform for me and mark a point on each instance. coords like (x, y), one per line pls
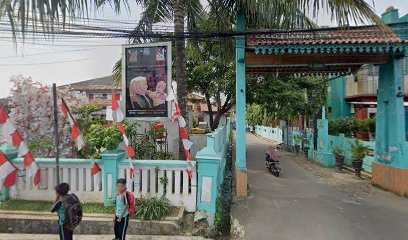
(120, 228)
(64, 233)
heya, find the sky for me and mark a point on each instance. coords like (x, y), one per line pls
(68, 61)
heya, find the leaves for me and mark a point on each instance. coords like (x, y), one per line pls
(152, 209)
(99, 139)
(32, 113)
(284, 98)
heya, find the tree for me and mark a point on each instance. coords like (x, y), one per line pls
(286, 97)
(31, 110)
(211, 70)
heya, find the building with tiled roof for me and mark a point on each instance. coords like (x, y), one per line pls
(98, 90)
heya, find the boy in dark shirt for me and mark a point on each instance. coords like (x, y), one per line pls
(61, 191)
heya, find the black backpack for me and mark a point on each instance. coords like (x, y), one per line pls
(73, 211)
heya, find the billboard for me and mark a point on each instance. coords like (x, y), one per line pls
(146, 80)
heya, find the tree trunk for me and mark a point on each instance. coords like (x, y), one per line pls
(216, 121)
(182, 93)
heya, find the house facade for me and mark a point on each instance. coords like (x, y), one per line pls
(356, 95)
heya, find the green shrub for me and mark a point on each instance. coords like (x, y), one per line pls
(358, 150)
(152, 208)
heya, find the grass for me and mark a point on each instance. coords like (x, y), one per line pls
(43, 206)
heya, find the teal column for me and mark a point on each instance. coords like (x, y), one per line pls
(240, 95)
(391, 146)
(209, 163)
(340, 108)
(111, 160)
(325, 156)
(11, 153)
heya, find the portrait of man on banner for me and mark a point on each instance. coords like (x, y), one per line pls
(147, 80)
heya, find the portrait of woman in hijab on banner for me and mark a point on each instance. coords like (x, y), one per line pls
(146, 81)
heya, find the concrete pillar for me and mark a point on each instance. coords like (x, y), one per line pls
(110, 175)
(209, 163)
(325, 157)
(390, 169)
(241, 167)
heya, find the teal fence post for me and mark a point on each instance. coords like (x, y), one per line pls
(110, 175)
(11, 153)
(240, 108)
(208, 161)
(325, 156)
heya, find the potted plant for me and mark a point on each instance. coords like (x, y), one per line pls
(339, 155)
(358, 151)
(298, 140)
(306, 147)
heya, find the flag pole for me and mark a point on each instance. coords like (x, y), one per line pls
(56, 137)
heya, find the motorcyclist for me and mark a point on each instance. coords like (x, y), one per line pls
(272, 156)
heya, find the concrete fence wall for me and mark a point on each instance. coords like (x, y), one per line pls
(345, 144)
(274, 134)
(333, 142)
(211, 165)
(148, 179)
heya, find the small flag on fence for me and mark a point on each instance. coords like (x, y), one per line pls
(9, 131)
(8, 171)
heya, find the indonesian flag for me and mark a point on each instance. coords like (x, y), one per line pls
(9, 131)
(117, 115)
(7, 171)
(178, 117)
(76, 135)
(95, 169)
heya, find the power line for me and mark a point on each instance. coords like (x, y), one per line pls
(44, 63)
(50, 53)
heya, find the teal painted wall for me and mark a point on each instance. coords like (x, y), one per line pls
(211, 165)
(339, 108)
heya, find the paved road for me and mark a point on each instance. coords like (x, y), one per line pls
(297, 206)
(6, 236)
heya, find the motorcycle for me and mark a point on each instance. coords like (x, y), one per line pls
(273, 166)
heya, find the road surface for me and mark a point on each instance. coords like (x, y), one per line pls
(297, 206)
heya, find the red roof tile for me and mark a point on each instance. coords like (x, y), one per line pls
(330, 36)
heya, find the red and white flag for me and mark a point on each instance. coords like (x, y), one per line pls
(95, 169)
(118, 116)
(178, 117)
(8, 172)
(9, 131)
(76, 134)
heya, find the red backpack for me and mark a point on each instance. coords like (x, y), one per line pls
(132, 202)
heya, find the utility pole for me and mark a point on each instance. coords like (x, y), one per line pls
(56, 137)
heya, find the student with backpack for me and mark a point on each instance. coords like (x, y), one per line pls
(69, 210)
(125, 207)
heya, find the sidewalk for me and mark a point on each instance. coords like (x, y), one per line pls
(7, 236)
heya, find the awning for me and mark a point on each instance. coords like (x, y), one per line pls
(369, 104)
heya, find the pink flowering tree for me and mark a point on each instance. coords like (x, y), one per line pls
(32, 106)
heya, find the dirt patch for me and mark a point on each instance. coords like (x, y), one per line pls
(342, 181)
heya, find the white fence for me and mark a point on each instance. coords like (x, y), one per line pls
(154, 178)
(76, 172)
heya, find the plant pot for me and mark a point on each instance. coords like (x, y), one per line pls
(306, 151)
(297, 149)
(358, 166)
(340, 162)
